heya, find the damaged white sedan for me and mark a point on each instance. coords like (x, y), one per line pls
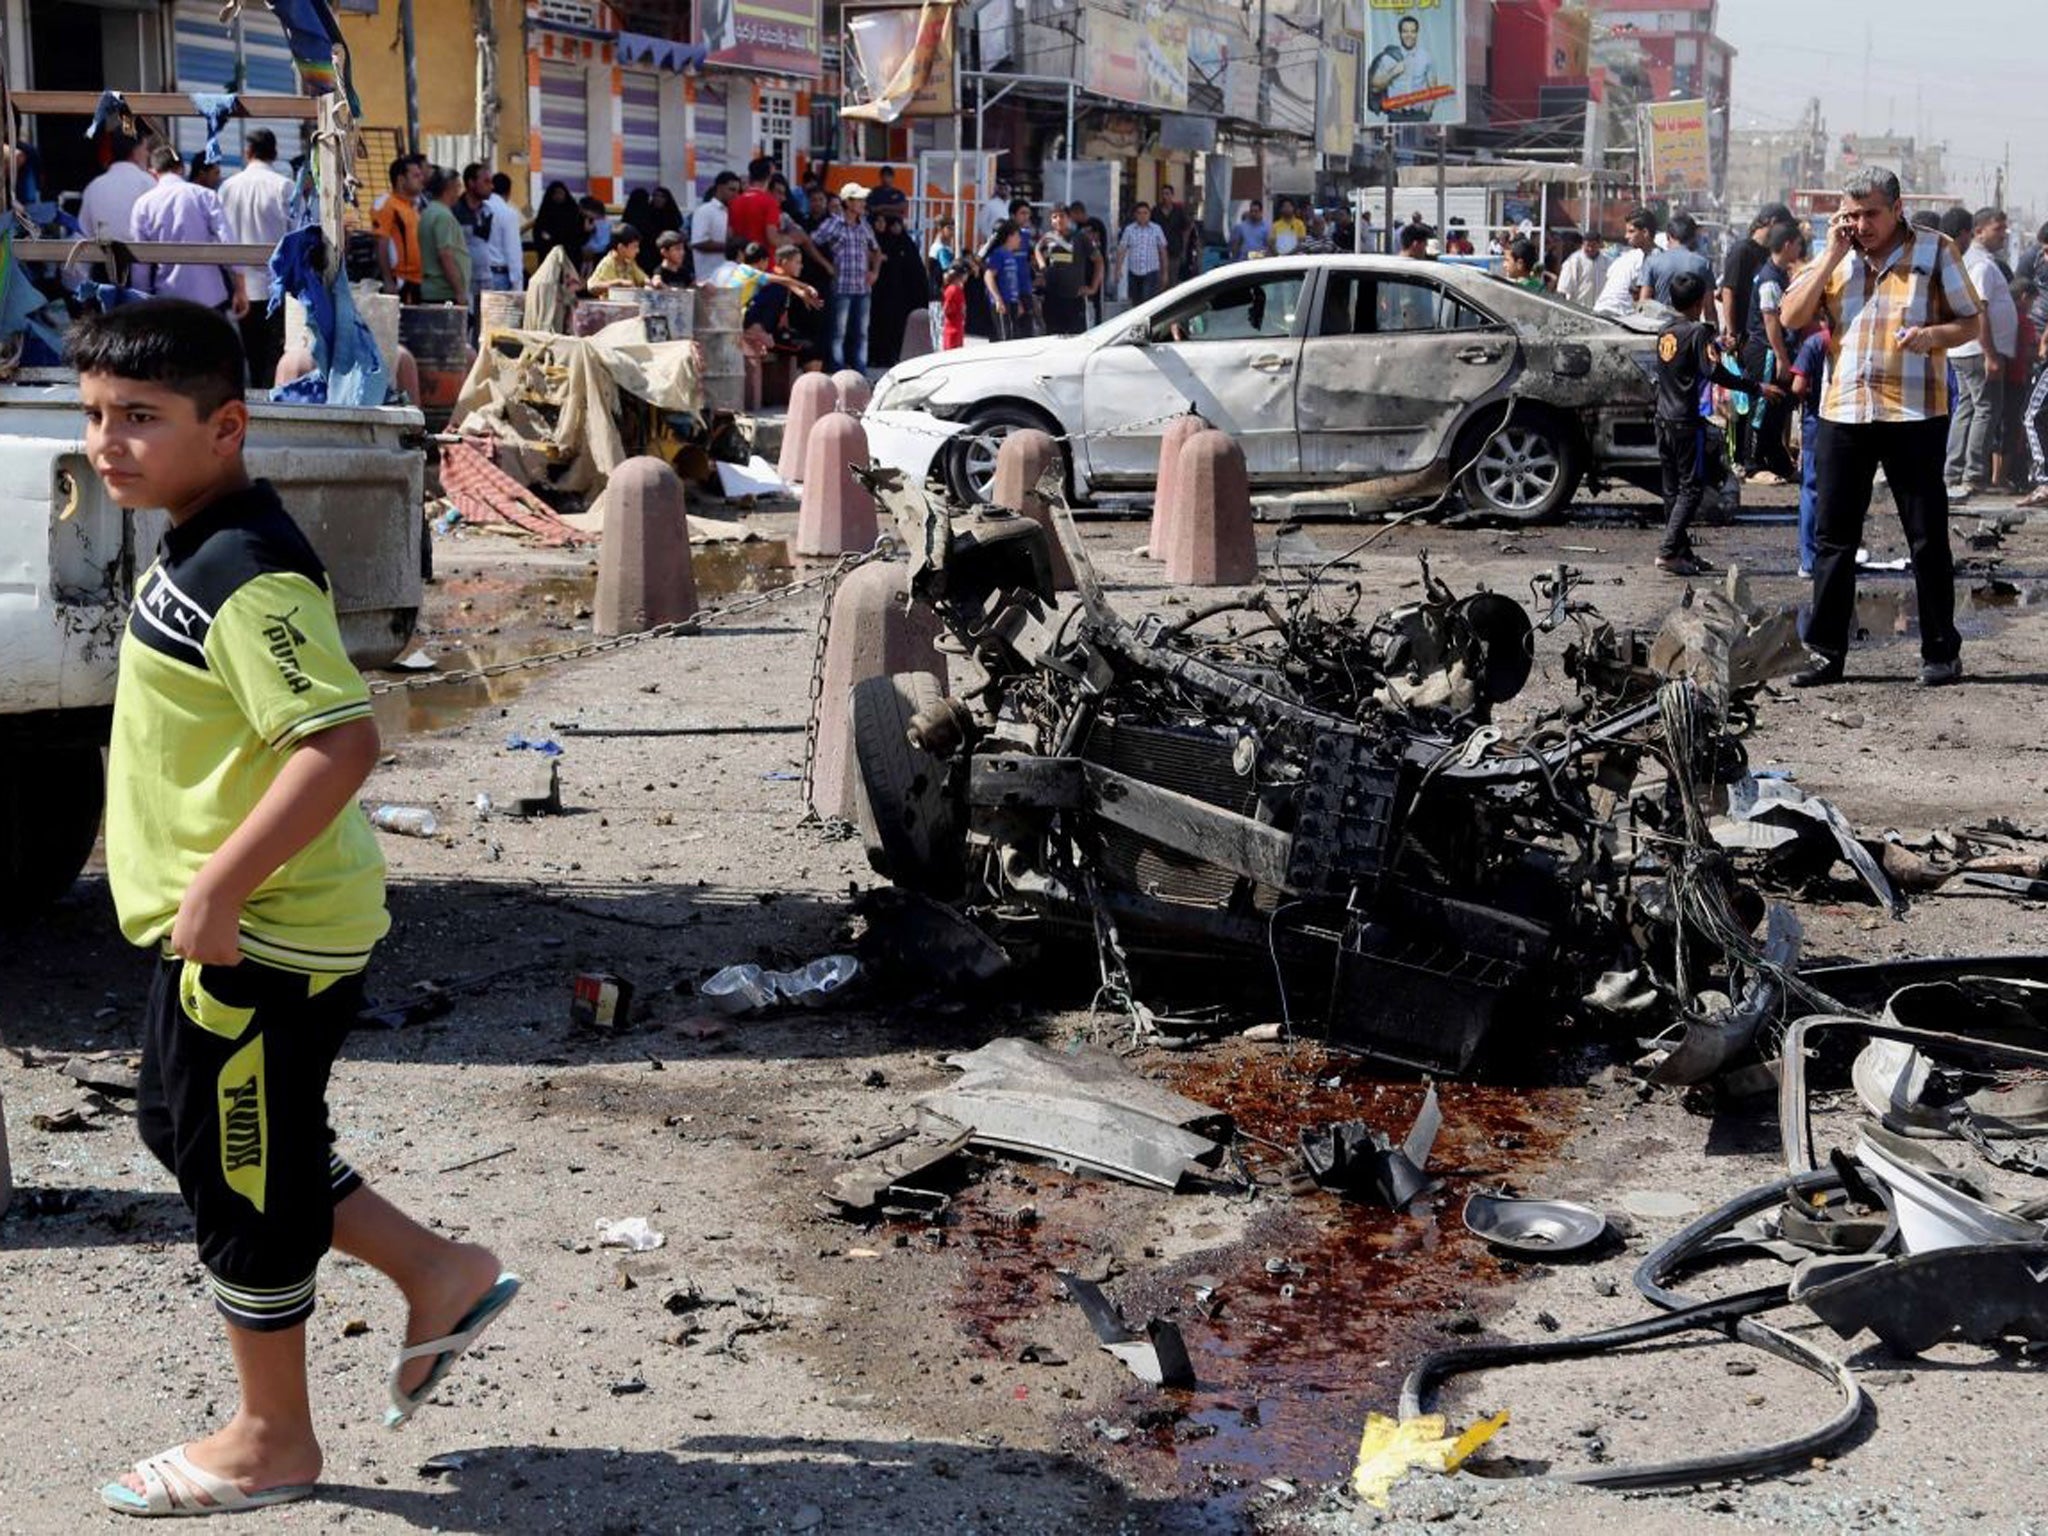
(1370, 380)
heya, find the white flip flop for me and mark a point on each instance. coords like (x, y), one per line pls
(175, 1489)
(444, 1352)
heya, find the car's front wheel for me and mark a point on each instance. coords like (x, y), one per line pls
(1524, 470)
(971, 467)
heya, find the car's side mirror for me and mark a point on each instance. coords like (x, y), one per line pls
(1139, 335)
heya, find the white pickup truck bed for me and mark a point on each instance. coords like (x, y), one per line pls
(352, 477)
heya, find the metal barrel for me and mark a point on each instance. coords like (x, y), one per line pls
(437, 335)
(500, 311)
(592, 315)
(723, 365)
(678, 306)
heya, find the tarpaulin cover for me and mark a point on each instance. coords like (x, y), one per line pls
(524, 377)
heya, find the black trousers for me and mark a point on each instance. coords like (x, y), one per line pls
(262, 343)
(1064, 316)
(1765, 447)
(1847, 458)
(232, 1099)
(1682, 451)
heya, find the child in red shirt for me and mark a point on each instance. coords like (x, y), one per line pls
(953, 309)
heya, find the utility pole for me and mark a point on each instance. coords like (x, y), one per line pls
(409, 44)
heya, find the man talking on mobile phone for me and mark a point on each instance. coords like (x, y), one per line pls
(1895, 300)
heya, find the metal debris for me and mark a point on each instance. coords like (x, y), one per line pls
(1159, 1356)
(1353, 1159)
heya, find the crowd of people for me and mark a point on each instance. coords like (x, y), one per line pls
(1915, 347)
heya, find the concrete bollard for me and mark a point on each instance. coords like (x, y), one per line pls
(643, 567)
(875, 631)
(1178, 431)
(837, 515)
(1021, 463)
(812, 398)
(1209, 526)
(854, 390)
(918, 340)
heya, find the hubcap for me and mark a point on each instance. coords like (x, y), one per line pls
(1519, 469)
(981, 451)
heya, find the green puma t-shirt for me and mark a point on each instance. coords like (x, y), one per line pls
(233, 657)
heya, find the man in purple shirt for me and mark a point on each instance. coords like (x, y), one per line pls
(176, 210)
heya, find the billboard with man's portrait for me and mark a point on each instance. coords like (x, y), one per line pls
(1415, 62)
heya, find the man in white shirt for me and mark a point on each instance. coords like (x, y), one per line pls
(710, 227)
(1584, 273)
(1977, 420)
(107, 209)
(257, 200)
(495, 258)
(1618, 294)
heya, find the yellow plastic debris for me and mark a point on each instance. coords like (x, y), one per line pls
(1390, 1448)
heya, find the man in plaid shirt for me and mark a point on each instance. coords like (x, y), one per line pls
(1895, 299)
(856, 258)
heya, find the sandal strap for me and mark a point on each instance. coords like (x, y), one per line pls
(194, 1487)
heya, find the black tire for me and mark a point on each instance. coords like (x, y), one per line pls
(50, 804)
(970, 464)
(910, 822)
(1525, 472)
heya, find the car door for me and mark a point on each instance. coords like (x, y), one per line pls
(1230, 346)
(1397, 361)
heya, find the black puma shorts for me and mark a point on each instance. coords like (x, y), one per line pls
(233, 1100)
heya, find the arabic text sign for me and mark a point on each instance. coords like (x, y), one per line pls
(1143, 62)
(1679, 156)
(777, 37)
(1415, 61)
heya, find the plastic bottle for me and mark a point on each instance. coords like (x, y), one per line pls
(406, 820)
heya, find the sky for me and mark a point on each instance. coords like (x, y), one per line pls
(1972, 74)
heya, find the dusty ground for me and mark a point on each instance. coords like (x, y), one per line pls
(841, 1378)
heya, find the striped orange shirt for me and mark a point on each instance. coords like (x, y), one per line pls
(1871, 378)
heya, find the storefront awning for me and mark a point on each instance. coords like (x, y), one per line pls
(661, 52)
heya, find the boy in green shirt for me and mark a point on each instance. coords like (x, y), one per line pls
(236, 850)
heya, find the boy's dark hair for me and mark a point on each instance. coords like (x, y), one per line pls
(1687, 289)
(625, 234)
(399, 167)
(760, 168)
(501, 184)
(1927, 218)
(1956, 222)
(591, 204)
(1783, 234)
(187, 348)
(1414, 234)
(261, 144)
(1985, 217)
(959, 272)
(1524, 251)
(1683, 228)
(1643, 218)
(165, 157)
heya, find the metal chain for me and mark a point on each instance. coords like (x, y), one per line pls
(885, 546)
(814, 718)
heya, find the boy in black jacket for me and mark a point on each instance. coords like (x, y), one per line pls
(1688, 359)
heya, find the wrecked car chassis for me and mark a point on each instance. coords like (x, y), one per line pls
(1326, 800)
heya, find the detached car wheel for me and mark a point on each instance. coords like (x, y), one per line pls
(971, 466)
(50, 804)
(1525, 471)
(910, 821)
